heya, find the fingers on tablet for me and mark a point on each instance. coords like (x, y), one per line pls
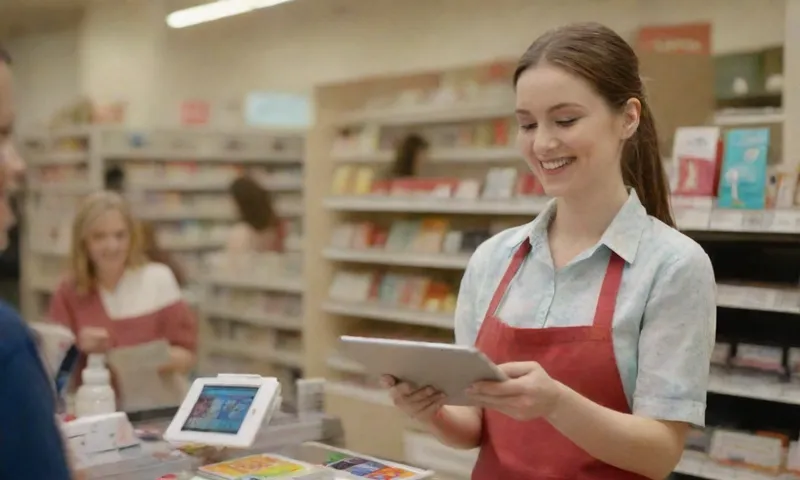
(388, 381)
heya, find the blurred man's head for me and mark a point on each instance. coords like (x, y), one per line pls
(12, 167)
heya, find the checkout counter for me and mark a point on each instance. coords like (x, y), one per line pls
(120, 446)
(147, 457)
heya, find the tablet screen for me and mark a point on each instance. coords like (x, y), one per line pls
(220, 409)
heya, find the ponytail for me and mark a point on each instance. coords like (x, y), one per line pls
(643, 169)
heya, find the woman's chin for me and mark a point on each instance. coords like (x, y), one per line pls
(555, 189)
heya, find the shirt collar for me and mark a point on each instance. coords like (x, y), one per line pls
(622, 236)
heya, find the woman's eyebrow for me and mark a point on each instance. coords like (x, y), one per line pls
(558, 106)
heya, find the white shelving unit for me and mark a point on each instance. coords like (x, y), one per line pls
(63, 166)
(177, 179)
(761, 302)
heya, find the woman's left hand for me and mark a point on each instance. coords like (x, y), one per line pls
(529, 393)
(180, 361)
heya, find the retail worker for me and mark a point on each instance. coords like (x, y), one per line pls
(601, 313)
(31, 444)
(114, 296)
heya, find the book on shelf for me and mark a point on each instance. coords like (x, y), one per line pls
(408, 291)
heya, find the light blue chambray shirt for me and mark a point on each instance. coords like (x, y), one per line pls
(665, 320)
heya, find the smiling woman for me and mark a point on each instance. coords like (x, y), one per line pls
(599, 311)
(114, 297)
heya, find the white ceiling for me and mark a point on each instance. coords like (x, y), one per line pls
(18, 17)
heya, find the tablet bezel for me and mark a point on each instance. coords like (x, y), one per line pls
(413, 349)
(268, 390)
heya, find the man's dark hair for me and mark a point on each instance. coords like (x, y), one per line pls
(5, 57)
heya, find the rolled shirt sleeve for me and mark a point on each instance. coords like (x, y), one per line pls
(677, 339)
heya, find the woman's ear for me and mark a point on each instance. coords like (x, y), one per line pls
(631, 113)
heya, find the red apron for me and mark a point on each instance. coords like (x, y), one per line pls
(581, 358)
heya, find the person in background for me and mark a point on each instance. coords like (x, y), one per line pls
(114, 295)
(31, 443)
(409, 155)
(115, 182)
(599, 311)
(259, 228)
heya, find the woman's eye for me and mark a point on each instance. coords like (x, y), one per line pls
(566, 122)
(528, 126)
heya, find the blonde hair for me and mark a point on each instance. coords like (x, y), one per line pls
(91, 208)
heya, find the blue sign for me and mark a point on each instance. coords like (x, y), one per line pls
(277, 109)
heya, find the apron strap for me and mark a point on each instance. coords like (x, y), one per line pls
(604, 313)
(516, 262)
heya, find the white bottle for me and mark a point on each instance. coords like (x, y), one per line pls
(95, 396)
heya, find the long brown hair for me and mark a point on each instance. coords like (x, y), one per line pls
(254, 204)
(601, 57)
(405, 159)
(155, 253)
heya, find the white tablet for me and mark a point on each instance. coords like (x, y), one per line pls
(446, 367)
(226, 411)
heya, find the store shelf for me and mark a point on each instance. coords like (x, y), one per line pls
(215, 157)
(65, 188)
(437, 155)
(289, 285)
(253, 317)
(221, 184)
(344, 364)
(734, 119)
(265, 354)
(57, 158)
(699, 465)
(364, 394)
(178, 180)
(428, 114)
(390, 314)
(375, 203)
(407, 259)
(765, 388)
(369, 239)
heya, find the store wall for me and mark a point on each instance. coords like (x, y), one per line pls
(126, 52)
(46, 69)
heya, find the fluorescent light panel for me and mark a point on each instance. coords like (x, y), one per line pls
(208, 12)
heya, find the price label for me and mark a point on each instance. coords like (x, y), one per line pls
(759, 298)
(726, 220)
(689, 218)
(788, 301)
(784, 221)
(755, 221)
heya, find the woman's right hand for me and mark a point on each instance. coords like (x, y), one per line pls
(94, 340)
(421, 404)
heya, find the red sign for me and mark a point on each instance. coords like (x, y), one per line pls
(195, 112)
(686, 39)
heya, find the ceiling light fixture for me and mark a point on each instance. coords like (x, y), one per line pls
(208, 12)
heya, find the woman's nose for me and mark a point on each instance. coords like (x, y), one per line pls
(544, 142)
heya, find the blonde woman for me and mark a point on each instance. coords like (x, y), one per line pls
(114, 296)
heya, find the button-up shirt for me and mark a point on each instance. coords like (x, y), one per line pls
(665, 319)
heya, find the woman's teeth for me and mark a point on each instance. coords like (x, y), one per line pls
(557, 163)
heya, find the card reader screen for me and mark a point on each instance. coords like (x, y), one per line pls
(220, 409)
